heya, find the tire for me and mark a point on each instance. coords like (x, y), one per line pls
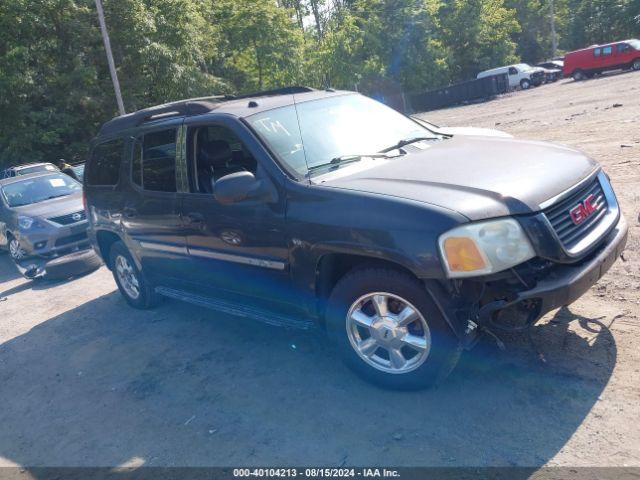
(16, 252)
(129, 279)
(525, 84)
(429, 356)
(636, 65)
(579, 76)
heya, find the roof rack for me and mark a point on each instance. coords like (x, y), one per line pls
(185, 108)
(181, 108)
(276, 91)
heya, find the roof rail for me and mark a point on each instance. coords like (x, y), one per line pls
(184, 108)
(276, 91)
(181, 108)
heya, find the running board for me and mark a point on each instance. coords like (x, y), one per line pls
(264, 316)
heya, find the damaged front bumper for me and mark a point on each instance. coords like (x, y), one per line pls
(560, 285)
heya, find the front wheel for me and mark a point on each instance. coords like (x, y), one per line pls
(388, 329)
(16, 252)
(132, 285)
(636, 65)
(525, 84)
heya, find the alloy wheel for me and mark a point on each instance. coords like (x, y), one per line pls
(127, 277)
(388, 332)
(15, 250)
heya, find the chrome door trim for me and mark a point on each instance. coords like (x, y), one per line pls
(163, 247)
(227, 257)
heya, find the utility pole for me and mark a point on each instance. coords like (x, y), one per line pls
(554, 38)
(112, 65)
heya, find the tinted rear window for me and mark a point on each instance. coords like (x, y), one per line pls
(159, 161)
(104, 168)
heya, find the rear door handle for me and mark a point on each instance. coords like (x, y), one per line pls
(129, 212)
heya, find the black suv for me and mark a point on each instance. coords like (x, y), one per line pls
(302, 207)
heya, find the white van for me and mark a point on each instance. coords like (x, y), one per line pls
(520, 75)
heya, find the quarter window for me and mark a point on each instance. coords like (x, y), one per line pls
(105, 163)
(597, 52)
(158, 161)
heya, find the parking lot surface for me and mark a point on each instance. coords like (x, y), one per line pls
(86, 380)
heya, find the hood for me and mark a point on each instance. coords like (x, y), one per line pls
(479, 177)
(54, 207)
(473, 131)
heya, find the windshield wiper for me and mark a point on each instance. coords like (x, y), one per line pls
(52, 197)
(408, 141)
(344, 159)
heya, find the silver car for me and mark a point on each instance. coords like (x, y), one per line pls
(43, 223)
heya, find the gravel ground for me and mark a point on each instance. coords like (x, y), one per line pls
(87, 381)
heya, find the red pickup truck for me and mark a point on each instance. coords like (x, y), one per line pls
(585, 63)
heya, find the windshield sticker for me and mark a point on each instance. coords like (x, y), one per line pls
(57, 182)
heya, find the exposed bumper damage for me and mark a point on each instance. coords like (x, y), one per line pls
(65, 266)
(518, 300)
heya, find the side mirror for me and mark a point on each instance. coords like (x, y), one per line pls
(240, 186)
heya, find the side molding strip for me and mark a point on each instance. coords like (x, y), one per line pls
(163, 247)
(227, 257)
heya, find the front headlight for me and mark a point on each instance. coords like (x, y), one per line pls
(485, 247)
(25, 223)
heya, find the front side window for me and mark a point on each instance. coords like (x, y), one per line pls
(39, 189)
(159, 161)
(313, 133)
(105, 163)
(623, 47)
(217, 152)
(513, 71)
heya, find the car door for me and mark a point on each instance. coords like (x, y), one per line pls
(237, 250)
(609, 60)
(151, 208)
(514, 77)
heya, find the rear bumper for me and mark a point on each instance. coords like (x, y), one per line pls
(567, 283)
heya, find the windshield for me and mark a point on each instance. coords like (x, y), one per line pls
(635, 44)
(39, 189)
(35, 169)
(331, 128)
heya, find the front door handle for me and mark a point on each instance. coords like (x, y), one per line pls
(194, 218)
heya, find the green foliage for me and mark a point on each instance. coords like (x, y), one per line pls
(55, 88)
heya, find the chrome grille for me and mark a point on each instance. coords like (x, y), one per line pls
(69, 219)
(559, 214)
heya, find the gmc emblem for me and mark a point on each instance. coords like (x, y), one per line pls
(582, 211)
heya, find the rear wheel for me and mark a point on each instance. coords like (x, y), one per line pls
(525, 84)
(579, 76)
(131, 283)
(387, 329)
